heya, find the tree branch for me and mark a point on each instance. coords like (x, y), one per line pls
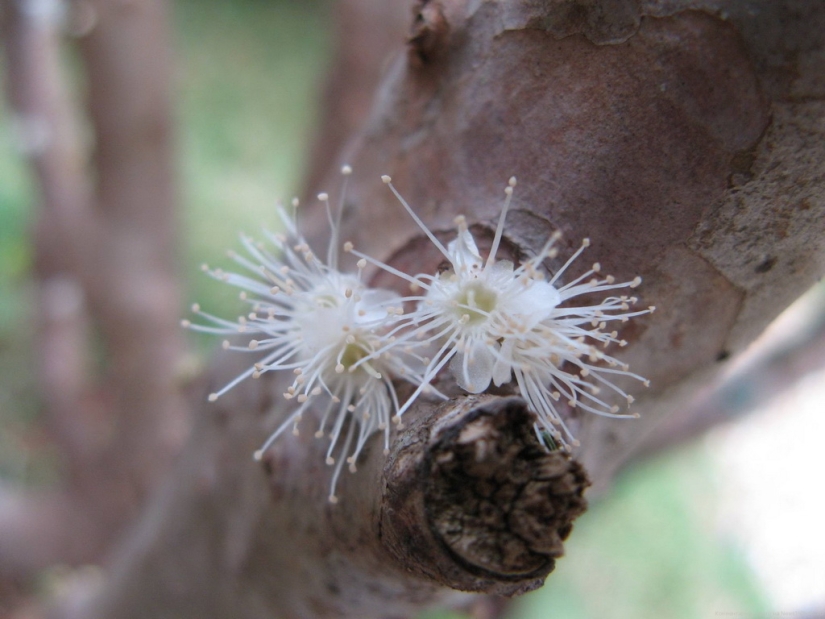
(111, 251)
(367, 35)
(677, 150)
(134, 288)
(793, 347)
(46, 133)
(398, 534)
(684, 139)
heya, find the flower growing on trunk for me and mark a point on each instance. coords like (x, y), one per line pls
(494, 322)
(486, 320)
(325, 327)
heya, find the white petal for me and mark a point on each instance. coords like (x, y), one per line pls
(503, 368)
(320, 327)
(473, 369)
(464, 252)
(373, 304)
(534, 302)
(499, 274)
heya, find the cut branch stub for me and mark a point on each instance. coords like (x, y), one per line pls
(496, 504)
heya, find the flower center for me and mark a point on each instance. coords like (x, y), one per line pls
(327, 300)
(352, 354)
(476, 301)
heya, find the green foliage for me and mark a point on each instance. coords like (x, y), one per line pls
(18, 401)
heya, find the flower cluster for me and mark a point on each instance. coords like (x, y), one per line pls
(487, 320)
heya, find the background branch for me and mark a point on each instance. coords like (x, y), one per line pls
(134, 289)
(36, 531)
(367, 36)
(108, 252)
(789, 350)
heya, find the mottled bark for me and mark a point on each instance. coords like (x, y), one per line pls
(685, 139)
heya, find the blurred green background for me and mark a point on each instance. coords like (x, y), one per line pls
(249, 75)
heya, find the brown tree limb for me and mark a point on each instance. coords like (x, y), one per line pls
(109, 250)
(761, 375)
(398, 535)
(670, 148)
(47, 134)
(685, 139)
(134, 288)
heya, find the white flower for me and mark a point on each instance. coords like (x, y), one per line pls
(325, 327)
(493, 322)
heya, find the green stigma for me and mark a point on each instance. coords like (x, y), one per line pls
(327, 300)
(352, 354)
(475, 296)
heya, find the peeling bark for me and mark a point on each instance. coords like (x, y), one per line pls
(685, 139)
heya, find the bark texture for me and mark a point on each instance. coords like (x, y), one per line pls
(684, 138)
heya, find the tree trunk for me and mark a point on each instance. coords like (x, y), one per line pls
(684, 138)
